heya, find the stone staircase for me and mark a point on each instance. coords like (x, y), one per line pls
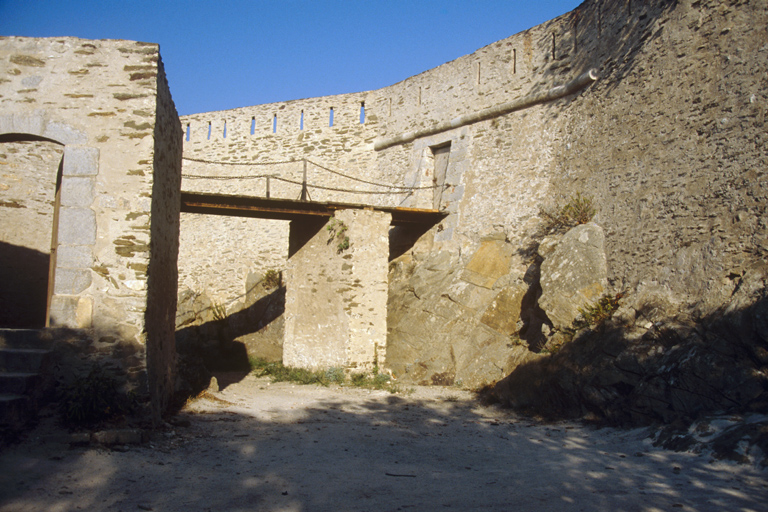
(25, 381)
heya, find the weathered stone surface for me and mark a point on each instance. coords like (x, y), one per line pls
(72, 282)
(74, 257)
(637, 372)
(77, 192)
(488, 264)
(444, 330)
(81, 161)
(503, 314)
(336, 293)
(118, 184)
(574, 274)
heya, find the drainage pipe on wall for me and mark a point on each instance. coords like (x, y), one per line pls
(554, 93)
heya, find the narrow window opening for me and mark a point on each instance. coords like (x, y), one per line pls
(225, 130)
(554, 44)
(188, 131)
(301, 121)
(599, 19)
(274, 124)
(390, 106)
(575, 38)
(253, 125)
(514, 62)
(209, 130)
(478, 73)
(330, 120)
(419, 96)
(362, 112)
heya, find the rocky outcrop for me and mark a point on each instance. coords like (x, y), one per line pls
(655, 364)
(573, 273)
(457, 324)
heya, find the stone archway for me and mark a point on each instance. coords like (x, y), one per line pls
(30, 177)
(72, 231)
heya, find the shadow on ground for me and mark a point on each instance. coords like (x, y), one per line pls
(284, 447)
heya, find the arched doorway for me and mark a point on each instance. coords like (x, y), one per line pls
(30, 178)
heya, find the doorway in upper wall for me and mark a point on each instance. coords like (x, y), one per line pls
(441, 154)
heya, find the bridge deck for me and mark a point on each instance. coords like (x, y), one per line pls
(287, 209)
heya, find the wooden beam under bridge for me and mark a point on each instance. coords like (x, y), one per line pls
(287, 209)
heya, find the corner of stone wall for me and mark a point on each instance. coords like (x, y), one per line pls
(162, 279)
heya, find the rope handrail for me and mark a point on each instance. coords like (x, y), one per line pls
(202, 161)
(398, 189)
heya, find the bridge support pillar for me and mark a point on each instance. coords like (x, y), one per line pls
(336, 292)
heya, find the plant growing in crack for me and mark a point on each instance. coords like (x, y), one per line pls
(338, 233)
(577, 210)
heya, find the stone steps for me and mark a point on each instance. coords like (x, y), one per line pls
(24, 377)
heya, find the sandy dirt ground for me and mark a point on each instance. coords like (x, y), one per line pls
(260, 446)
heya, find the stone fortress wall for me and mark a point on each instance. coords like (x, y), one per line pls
(298, 129)
(109, 211)
(667, 142)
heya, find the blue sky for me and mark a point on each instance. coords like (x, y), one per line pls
(233, 53)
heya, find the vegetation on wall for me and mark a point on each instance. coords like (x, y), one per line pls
(577, 210)
(272, 279)
(338, 233)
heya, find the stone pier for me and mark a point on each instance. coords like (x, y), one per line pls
(336, 299)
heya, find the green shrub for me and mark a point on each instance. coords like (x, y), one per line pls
(280, 373)
(596, 314)
(272, 279)
(577, 210)
(337, 230)
(335, 375)
(93, 399)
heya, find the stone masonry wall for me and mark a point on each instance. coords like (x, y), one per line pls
(162, 273)
(99, 99)
(667, 142)
(336, 293)
(28, 173)
(253, 142)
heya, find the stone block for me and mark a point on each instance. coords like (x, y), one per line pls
(65, 134)
(74, 257)
(503, 314)
(77, 226)
(72, 312)
(489, 263)
(81, 161)
(32, 123)
(72, 282)
(574, 274)
(76, 192)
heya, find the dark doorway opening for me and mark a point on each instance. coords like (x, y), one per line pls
(30, 178)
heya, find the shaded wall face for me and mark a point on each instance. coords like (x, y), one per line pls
(162, 283)
(27, 194)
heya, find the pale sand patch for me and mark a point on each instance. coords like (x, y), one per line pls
(284, 447)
